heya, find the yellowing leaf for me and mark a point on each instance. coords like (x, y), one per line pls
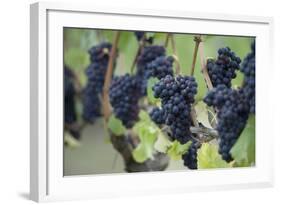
(208, 157)
(162, 143)
(176, 150)
(147, 132)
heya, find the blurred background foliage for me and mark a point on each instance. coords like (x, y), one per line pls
(78, 41)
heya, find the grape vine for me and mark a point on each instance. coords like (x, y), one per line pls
(223, 70)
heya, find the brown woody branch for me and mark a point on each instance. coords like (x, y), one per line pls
(204, 67)
(108, 76)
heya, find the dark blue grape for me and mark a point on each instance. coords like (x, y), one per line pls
(95, 72)
(190, 157)
(177, 95)
(91, 103)
(147, 55)
(233, 112)
(124, 95)
(158, 68)
(223, 69)
(70, 115)
(140, 36)
(248, 68)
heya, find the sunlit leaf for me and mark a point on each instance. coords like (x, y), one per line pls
(176, 150)
(162, 143)
(243, 151)
(116, 126)
(208, 157)
(147, 135)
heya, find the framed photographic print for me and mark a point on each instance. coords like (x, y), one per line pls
(127, 102)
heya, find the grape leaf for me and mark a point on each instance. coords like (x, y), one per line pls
(150, 96)
(116, 126)
(162, 143)
(243, 151)
(176, 150)
(144, 116)
(147, 133)
(208, 157)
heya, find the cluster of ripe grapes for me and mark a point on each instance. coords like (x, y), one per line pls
(70, 115)
(125, 91)
(177, 95)
(99, 56)
(124, 96)
(223, 69)
(234, 106)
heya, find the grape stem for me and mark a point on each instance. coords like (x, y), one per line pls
(175, 53)
(208, 133)
(167, 40)
(204, 67)
(197, 40)
(140, 47)
(108, 76)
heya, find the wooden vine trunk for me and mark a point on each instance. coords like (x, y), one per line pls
(159, 163)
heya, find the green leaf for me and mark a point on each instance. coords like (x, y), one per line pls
(162, 143)
(144, 116)
(116, 126)
(243, 151)
(208, 157)
(147, 136)
(150, 96)
(147, 132)
(176, 150)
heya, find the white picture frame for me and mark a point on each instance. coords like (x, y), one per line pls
(47, 182)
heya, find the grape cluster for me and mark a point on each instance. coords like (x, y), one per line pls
(249, 69)
(91, 104)
(144, 67)
(158, 68)
(124, 96)
(140, 35)
(177, 95)
(69, 97)
(233, 111)
(190, 157)
(96, 71)
(99, 56)
(70, 115)
(147, 55)
(223, 70)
